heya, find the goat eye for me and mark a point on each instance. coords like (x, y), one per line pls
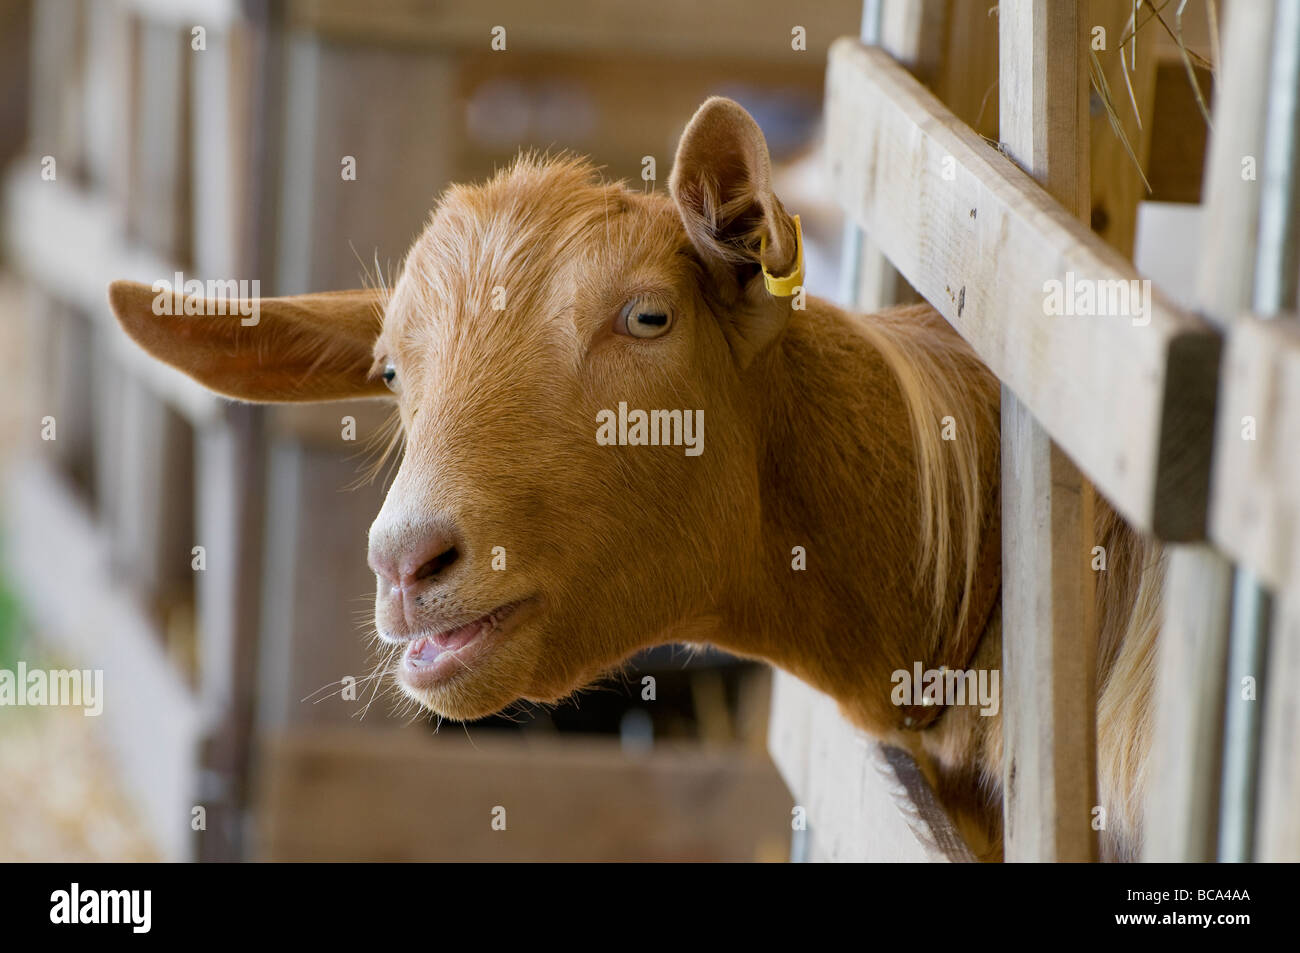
(390, 377)
(643, 319)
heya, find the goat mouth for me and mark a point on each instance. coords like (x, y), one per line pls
(434, 657)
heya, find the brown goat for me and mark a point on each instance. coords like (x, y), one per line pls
(830, 526)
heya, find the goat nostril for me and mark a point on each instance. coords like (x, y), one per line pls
(437, 564)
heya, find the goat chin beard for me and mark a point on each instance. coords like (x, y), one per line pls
(456, 704)
(491, 686)
(499, 681)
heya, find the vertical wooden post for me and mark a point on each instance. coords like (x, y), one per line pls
(1277, 835)
(1183, 802)
(1049, 636)
(224, 83)
(950, 46)
(158, 204)
(230, 512)
(912, 33)
(1252, 604)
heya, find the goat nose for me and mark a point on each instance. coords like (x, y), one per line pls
(405, 559)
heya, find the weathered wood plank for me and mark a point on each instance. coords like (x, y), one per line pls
(219, 144)
(56, 87)
(1231, 192)
(967, 78)
(952, 48)
(150, 716)
(158, 203)
(1182, 806)
(1277, 290)
(869, 281)
(1255, 513)
(155, 506)
(212, 14)
(861, 802)
(1048, 626)
(229, 516)
(308, 644)
(1199, 581)
(1128, 397)
(1277, 835)
(67, 387)
(347, 794)
(49, 224)
(679, 28)
(337, 103)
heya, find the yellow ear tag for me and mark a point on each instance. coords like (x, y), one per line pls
(784, 287)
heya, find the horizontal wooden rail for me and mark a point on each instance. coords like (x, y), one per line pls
(1129, 396)
(49, 225)
(1255, 507)
(343, 794)
(210, 14)
(678, 28)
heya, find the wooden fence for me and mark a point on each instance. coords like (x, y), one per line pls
(1189, 424)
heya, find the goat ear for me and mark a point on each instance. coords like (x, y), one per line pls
(722, 184)
(302, 348)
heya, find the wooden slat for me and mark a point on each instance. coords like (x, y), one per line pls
(348, 795)
(1277, 837)
(220, 143)
(56, 87)
(861, 802)
(1277, 289)
(1130, 404)
(337, 103)
(109, 381)
(1255, 512)
(158, 204)
(1199, 581)
(230, 512)
(678, 28)
(1048, 625)
(152, 720)
(1182, 804)
(155, 507)
(1226, 288)
(952, 48)
(105, 66)
(310, 643)
(898, 29)
(212, 14)
(1048, 647)
(67, 387)
(46, 226)
(912, 32)
(966, 81)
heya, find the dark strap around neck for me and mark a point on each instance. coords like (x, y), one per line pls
(986, 585)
